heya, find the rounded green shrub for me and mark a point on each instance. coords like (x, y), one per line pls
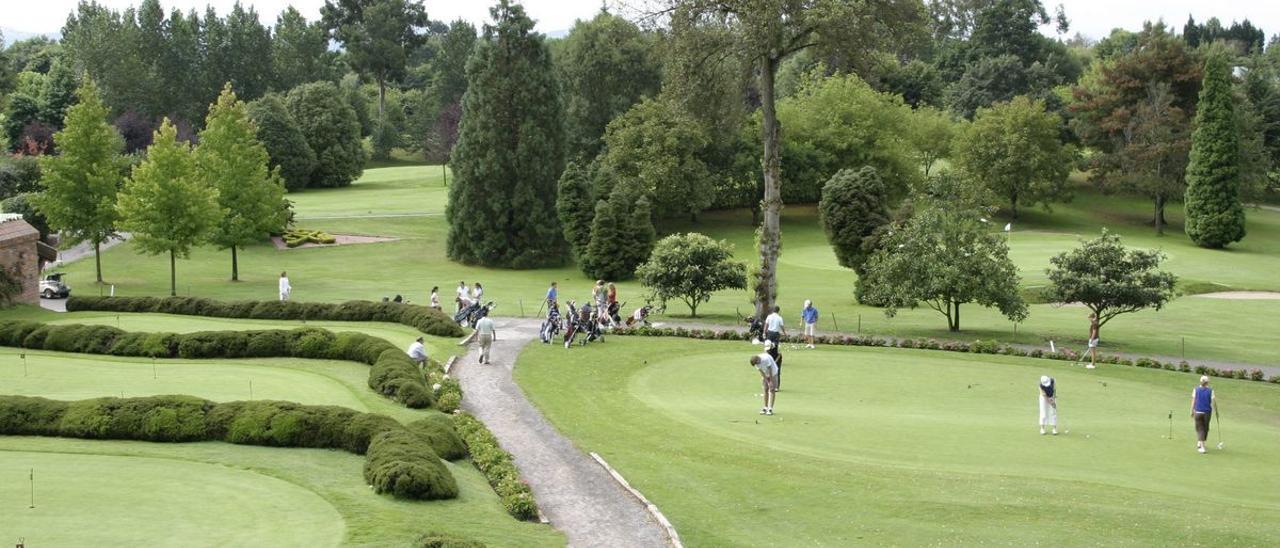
(438, 430)
(441, 540)
(403, 464)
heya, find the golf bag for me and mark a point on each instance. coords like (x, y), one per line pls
(614, 318)
(550, 327)
(571, 324)
(465, 314)
(594, 329)
(755, 329)
(640, 316)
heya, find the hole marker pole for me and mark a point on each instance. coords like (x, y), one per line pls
(1184, 348)
(154, 375)
(32, 477)
(522, 308)
(24, 364)
(859, 324)
(250, 388)
(834, 322)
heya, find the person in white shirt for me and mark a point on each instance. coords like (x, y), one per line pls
(477, 293)
(285, 288)
(464, 296)
(768, 374)
(435, 297)
(773, 332)
(418, 352)
(486, 334)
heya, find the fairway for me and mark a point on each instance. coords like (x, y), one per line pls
(147, 501)
(406, 203)
(877, 446)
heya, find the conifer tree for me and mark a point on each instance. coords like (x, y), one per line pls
(510, 151)
(574, 207)
(1215, 216)
(80, 183)
(165, 205)
(601, 258)
(232, 160)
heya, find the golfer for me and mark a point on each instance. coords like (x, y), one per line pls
(1093, 341)
(285, 288)
(552, 295)
(809, 317)
(768, 374)
(1203, 405)
(773, 328)
(417, 352)
(486, 334)
(1048, 404)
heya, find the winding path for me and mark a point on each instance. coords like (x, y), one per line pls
(574, 492)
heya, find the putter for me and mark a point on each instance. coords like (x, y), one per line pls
(1218, 419)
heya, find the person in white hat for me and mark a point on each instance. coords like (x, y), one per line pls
(1203, 405)
(1048, 404)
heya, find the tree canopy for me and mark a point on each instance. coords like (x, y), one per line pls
(1110, 279)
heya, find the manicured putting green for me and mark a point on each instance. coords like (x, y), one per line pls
(108, 500)
(79, 376)
(880, 446)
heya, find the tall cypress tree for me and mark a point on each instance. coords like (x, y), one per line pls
(510, 151)
(1215, 216)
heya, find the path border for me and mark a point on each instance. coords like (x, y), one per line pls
(672, 536)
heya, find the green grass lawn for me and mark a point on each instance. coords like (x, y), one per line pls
(215, 494)
(415, 262)
(904, 447)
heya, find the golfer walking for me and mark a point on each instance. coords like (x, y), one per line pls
(285, 288)
(768, 375)
(1093, 341)
(1203, 405)
(486, 334)
(1048, 404)
(809, 316)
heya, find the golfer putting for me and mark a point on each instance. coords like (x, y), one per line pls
(1048, 404)
(769, 377)
(1204, 404)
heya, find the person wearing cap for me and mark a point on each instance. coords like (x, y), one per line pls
(809, 317)
(768, 374)
(1203, 405)
(1048, 404)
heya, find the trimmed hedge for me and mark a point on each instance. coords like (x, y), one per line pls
(976, 347)
(392, 374)
(397, 461)
(439, 431)
(425, 319)
(442, 540)
(496, 465)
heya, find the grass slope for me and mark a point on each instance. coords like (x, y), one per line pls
(176, 488)
(416, 261)
(879, 447)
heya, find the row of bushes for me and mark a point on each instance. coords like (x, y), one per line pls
(393, 374)
(976, 347)
(425, 319)
(442, 540)
(398, 460)
(496, 465)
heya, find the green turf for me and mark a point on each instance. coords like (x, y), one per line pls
(903, 447)
(415, 262)
(90, 493)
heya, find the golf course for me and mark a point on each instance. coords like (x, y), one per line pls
(912, 447)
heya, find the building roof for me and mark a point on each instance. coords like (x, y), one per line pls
(12, 226)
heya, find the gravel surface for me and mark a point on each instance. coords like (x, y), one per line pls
(574, 492)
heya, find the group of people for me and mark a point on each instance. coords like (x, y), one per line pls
(465, 296)
(769, 362)
(1204, 404)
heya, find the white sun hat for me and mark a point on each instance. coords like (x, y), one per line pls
(1044, 380)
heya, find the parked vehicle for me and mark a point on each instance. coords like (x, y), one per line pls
(52, 286)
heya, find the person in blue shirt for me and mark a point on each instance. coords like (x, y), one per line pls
(1203, 405)
(551, 296)
(809, 317)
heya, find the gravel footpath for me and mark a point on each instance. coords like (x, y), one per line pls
(577, 495)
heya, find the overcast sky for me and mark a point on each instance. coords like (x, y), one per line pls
(1093, 18)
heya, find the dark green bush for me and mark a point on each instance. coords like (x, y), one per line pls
(425, 319)
(403, 464)
(399, 461)
(441, 540)
(438, 430)
(14, 332)
(497, 466)
(396, 376)
(264, 344)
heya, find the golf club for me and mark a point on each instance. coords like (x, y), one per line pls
(1217, 418)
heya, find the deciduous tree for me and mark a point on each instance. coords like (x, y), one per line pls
(80, 183)
(232, 160)
(332, 131)
(1014, 148)
(286, 145)
(691, 267)
(1110, 279)
(164, 203)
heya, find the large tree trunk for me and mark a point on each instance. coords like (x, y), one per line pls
(953, 318)
(1159, 215)
(97, 258)
(173, 275)
(382, 100)
(235, 266)
(771, 205)
(1013, 202)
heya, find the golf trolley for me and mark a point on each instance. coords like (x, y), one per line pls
(582, 321)
(467, 317)
(551, 326)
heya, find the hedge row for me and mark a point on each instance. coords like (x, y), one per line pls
(496, 465)
(425, 319)
(442, 540)
(976, 347)
(397, 460)
(392, 374)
